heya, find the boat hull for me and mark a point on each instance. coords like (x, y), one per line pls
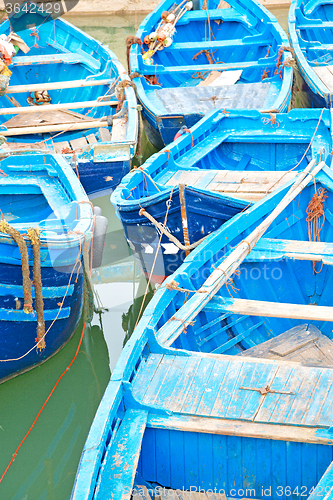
(204, 214)
(19, 330)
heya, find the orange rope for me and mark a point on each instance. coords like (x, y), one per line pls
(315, 211)
(42, 408)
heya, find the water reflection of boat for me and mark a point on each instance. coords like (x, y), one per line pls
(46, 463)
(135, 310)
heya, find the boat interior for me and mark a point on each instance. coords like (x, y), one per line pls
(236, 41)
(36, 188)
(66, 66)
(245, 156)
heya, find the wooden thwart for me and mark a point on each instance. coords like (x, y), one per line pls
(272, 309)
(16, 89)
(45, 108)
(240, 428)
(53, 128)
(302, 343)
(249, 185)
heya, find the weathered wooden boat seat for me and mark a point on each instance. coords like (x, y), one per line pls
(203, 99)
(303, 343)
(325, 74)
(67, 58)
(249, 185)
(230, 15)
(262, 398)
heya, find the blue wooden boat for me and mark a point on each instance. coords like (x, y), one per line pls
(311, 31)
(207, 176)
(211, 394)
(91, 117)
(45, 232)
(238, 41)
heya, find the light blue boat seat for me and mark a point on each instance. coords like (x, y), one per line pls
(67, 58)
(215, 44)
(217, 15)
(158, 69)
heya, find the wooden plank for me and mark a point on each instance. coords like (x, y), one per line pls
(59, 146)
(119, 130)
(51, 118)
(53, 128)
(79, 143)
(272, 309)
(91, 138)
(45, 108)
(325, 76)
(36, 87)
(293, 342)
(190, 423)
(104, 134)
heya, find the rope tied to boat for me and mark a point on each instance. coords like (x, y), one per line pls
(207, 54)
(34, 237)
(290, 62)
(185, 324)
(131, 40)
(316, 218)
(166, 232)
(19, 240)
(36, 35)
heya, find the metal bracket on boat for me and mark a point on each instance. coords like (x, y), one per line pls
(131, 403)
(157, 348)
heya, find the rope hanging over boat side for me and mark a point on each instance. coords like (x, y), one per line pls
(316, 218)
(131, 40)
(290, 62)
(34, 237)
(19, 240)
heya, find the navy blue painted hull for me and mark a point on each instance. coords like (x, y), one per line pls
(19, 337)
(101, 178)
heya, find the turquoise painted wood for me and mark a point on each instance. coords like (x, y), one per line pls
(41, 191)
(239, 141)
(59, 54)
(311, 31)
(208, 37)
(194, 397)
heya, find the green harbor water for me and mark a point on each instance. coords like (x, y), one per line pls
(46, 463)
